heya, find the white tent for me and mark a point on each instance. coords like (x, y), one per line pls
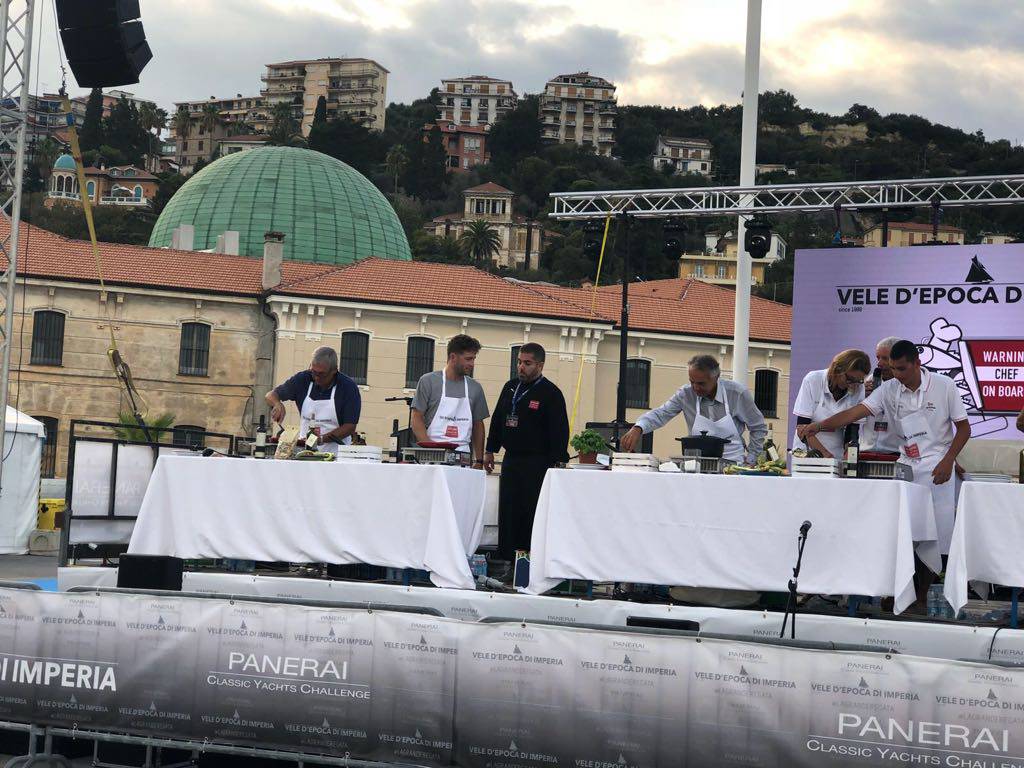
(19, 494)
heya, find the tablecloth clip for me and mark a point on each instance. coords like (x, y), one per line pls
(202, 747)
(74, 728)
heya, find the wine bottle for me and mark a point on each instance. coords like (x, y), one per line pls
(259, 450)
(851, 454)
(771, 451)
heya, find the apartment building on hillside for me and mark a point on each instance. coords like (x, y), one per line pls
(353, 87)
(683, 155)
(579, 109)
(476, 100)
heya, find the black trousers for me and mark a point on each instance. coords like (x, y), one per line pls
(522, 475)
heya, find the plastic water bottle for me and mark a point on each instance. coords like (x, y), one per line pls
(478, 565)
(935, 601)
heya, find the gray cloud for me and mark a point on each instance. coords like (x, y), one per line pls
(220, 48)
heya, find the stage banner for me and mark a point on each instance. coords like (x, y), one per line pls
(410, 689)
(961, 304)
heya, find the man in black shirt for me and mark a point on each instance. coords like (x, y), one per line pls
(530, 423)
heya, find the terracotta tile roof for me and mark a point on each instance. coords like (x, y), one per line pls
(679, 306)
(424, 284)
(688, 307)
(490, 187)
(46, 255)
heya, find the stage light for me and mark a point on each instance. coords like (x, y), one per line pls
(592, 235)
(757, 240)
(673, 239)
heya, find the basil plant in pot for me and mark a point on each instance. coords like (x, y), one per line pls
(588, 444)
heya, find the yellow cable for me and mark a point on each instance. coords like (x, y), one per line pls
(593, 305)
(121, 370)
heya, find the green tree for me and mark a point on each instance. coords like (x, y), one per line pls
(426, 175)
(46, 154)
(517, 135)
(114, 224)
(182, 122)
(320, 115)
(123, 131)
(283, 125)
(153, 120)
(90, 136)
(480, 241)
(132, 432)
(396, 161)
(209, 118)
(169, 184)
(349, 141)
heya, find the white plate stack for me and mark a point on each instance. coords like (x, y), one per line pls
(804, 467)
(987, 477)
(635, 462)
(360, 454)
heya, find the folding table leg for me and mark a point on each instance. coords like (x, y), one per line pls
(1014, 593)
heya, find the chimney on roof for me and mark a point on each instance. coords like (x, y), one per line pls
(273, 256)
(231, 242)
(183, 238)
(219, 248)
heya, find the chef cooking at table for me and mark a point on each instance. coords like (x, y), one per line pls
(709, 404)
(328, 401)
(827, 392)
(931, 422)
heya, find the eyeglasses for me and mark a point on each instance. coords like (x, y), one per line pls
(851, 380)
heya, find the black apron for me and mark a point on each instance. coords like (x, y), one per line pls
(522, 476)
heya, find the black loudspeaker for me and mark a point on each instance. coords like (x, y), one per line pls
(103, 41)
(150, 572)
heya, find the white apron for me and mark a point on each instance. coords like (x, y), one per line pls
(832, 441)
(724, 427)
(922, 453)
(323, 414)
(453, 419)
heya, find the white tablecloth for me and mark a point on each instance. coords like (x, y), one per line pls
(732, 532)
(404, 516)
(987, 540)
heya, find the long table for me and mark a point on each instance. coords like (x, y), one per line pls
(732, 532)
(987, 540)
(398, 515)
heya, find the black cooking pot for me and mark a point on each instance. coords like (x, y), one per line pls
(710, 447)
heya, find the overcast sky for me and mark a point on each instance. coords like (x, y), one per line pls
(958, 62)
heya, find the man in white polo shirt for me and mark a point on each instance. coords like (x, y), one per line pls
(932, 427)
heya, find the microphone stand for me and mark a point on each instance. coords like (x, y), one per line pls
(791, 603)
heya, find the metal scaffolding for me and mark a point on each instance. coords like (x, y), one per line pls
(16, 17)
(746, 201)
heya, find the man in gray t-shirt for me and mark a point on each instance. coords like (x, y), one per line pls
(454, 380)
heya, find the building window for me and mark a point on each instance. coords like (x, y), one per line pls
(47, 338)
(48, 461)
(698, 270)
(721, 270)
(419, 359)
(513, 371)
(90, 189)
(194, 353)
(137, 192)
(355, 349)
(638, 383)
(188, 436)
(766, 392)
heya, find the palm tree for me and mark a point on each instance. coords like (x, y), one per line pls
(132, 432)
(396, 161)
(181, 122)
(152, 118)
(283, 126)
(46, 154)
(209, 119)
(480, 241)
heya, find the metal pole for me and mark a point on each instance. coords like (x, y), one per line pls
(620, 404)
(748, 158)
(15, 67)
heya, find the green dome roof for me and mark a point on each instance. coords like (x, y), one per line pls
(328, 211)
(65, 163)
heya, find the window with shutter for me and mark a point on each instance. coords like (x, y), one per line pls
(513, 371)
(638, 383)
(355, 349)
(47, 338)
(419, 359)
(194, 353)
(766, 392)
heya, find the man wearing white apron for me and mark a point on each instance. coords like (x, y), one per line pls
(931, 421)
(709, 404)
(328, 400)
(449, 405)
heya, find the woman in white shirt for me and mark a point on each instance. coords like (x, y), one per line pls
(827, 392)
